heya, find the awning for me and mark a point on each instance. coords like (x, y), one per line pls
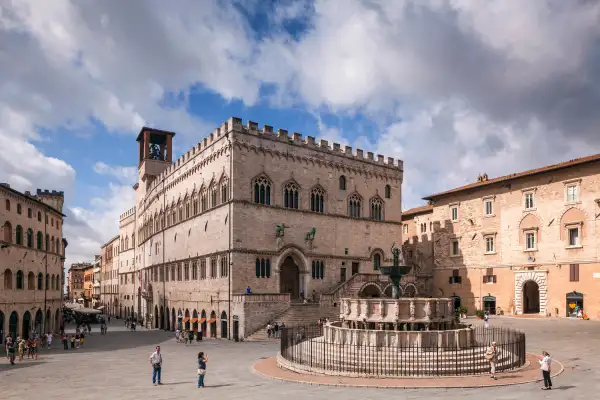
(194, 320)
(186, 319)
(84, 310)
(210, 321)
(202, 320)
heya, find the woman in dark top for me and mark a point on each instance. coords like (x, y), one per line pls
(202, 360)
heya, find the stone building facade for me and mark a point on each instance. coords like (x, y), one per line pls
(32, 254)
(417, 233)
(76, 280)
(109, 273)
(522, 243)
(130, 301)
(97, 278)
(253, 208)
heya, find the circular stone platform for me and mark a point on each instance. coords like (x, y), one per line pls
(530, 372)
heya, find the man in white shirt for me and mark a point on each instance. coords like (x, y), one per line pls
(49, 339)
(156, 362)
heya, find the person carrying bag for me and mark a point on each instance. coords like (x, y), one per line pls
(202, 360)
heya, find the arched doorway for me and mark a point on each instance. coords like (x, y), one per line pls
(369, 291)
(26, 325)
(203, 322)
(186, 320)
(155, 317)
(574, 302)
(120, 310)
(173, 320)
(289, 278)
(531, 298)
(2, 335)
(39, 316)
(387, 292)
(224, 325)
(195, 322)
(13, 324)
(457, 302)
(213, 324)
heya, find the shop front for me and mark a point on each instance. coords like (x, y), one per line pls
(574, 302)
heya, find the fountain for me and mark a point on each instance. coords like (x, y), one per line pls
(397, 336)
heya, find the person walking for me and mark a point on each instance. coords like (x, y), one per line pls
(156, 362)
(64, 341)
(202, 360)
(546, 367)
(491, 355)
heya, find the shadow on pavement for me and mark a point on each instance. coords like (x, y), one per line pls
(19, 365)
(112, 341)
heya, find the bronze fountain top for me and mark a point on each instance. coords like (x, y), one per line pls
(396, 271)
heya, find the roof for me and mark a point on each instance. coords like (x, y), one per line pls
(32, 198)
(417, 210)
(110, 241)
(511, 177)
(145, 128)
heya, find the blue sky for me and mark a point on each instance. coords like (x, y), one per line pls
(454, 88)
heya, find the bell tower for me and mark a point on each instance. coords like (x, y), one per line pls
(155, 153)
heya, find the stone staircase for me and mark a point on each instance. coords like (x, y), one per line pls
(297, 314)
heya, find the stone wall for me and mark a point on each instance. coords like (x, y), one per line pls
(256, 310)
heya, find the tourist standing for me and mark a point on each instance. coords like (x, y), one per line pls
(64, 341)
(49, 339)
(248, 290)
(491, 355)
(546, 367)
(486, 320)
(269, 327)
(202, 360)
(156, 362)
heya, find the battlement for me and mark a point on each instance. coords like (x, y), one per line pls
(54, 193)
(282, 135)
(127, 213)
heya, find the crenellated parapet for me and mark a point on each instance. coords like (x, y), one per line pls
(282, 135)
(127, 214)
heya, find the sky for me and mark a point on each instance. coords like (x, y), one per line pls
(455, 88)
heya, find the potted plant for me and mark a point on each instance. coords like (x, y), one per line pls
(463, 311)
(479, 313)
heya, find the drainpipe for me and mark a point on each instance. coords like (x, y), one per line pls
(230, 188)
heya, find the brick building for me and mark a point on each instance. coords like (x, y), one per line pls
(522, 243)
(252, 208)
(109, 276)
(32, 254)
(76, 277)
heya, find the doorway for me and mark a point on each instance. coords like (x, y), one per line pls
(224, 330)
(26, 325)
(236, 330)
(489, 304)
(355, 268)
(342, 274)
(574, 303)
(456, 302)
(289, 278)
(531, 298)
(13, 324)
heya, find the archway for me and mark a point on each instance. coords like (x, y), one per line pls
(26, 325)
(531, 298)
(195, 321)
(13, 324)
(224, 325)
(456, 302)
(155, 317)
(387, 292)
(410, 291)
(289, 278)
(173, 320)
(203, 322)
(39, 316)
(213, 324)
(369, 291)
(186, 320)
(2, 335)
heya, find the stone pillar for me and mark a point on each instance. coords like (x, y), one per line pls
(146, 145)
(169, 155)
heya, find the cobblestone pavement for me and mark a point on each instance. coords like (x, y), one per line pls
(116, 367)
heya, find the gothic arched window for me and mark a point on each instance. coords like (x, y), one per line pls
(376, 209)
(29, 237)
(376, 261)
(262, 190)
(290, 195)
(224, 190)
(342, 182)
(354, 204)
(317, 200)
(214, 199)
(204, 199)
(20, 280)
(40, 240)
(19, 238)
(388, 191)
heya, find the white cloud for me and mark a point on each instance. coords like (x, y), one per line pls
(121, 173)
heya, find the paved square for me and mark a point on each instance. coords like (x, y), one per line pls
(116, 367)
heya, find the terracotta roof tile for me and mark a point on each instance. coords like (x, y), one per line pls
(417, 210)
(510, 177)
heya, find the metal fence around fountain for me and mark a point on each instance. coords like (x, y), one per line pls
(306, 347)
